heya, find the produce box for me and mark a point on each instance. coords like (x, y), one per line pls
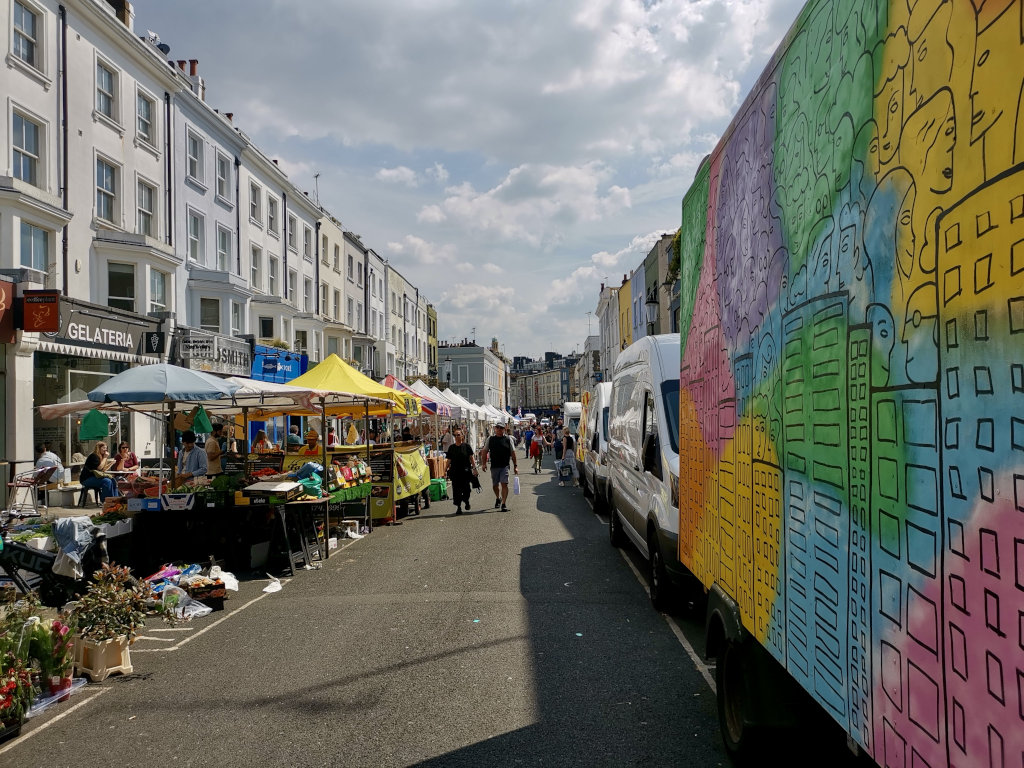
(282, 490)
(178, 501)
(438, 489)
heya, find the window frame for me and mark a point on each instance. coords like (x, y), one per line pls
(155, 306)
(207, 326)
(36, 161)
(151, 140)
(260, 326)
(236, 308)
(226, 253)
(225, 181)
(337, 258)
(273, 224)
(191, 214)
(132, 298)
(307, 242)
(292, 286)
(36, 41)
(255, 267)
(112, 194)
(293, 238)
(256, 203)
(307, 294)
(140, 183)
(113, 95)
(33, 228)
(198, 160)
(273, 264)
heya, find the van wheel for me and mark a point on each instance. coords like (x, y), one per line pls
(615, 534)
(657, 576)
(739, 737)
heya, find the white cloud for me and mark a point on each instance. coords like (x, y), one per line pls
(430, 214)
(399, 175)
(416, 250)
(438, 173)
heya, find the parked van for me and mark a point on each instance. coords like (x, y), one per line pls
(594, 470)
(643, 457)
(571, 413)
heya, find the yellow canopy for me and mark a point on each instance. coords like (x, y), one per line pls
(335, 375)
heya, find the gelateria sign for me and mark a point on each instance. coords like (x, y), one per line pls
(214, 353)
(97, 327)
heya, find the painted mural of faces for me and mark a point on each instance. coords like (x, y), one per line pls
(930, 138)
(920, 335)
(931, 55)
(883, 339)
(889, 98)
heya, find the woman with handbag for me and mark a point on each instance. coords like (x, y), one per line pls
(461, 470)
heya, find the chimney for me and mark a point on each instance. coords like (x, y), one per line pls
(124, 12)
(181, 64)
(230, 116)
(193, 67)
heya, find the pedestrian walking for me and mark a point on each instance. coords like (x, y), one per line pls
(569, 458)
(549, 441)
(556, 451)
(461, 469)
(536, 453)
(528, 438)
(500, 451)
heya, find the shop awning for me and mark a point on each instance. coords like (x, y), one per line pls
(428, 403)
(71, 350)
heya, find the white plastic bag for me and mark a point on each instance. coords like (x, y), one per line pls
(178, 601)
(230, 582)
(515, 485)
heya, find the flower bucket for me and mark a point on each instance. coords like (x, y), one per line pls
(60, 686)
(99, 659)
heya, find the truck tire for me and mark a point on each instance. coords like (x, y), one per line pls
(657, 575)
(615, 534)
(739, 737)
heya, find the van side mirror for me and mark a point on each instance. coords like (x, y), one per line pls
(652, 455)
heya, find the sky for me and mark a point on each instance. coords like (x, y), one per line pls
(506, 157)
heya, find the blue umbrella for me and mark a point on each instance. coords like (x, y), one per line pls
(161, 383)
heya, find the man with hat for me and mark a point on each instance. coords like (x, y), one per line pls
(192, 462)
(499, 449)
(312, 447)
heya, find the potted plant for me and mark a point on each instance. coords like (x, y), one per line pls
(15, 674)
(109, 615)
(61, 658)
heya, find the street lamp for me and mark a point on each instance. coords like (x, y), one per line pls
(446, 369)
(651, 307)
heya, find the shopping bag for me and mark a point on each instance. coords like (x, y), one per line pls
(515, 484)
(564, 468)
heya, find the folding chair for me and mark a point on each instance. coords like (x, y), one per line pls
(29, 482)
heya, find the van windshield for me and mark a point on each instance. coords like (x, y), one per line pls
(670, 394)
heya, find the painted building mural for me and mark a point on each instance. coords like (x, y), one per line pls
(852, 372)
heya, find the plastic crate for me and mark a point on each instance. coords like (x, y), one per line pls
(438, 489)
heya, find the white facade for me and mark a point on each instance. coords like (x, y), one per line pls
(209, 202)
(337, 330)
(608, 321)
(375, 356)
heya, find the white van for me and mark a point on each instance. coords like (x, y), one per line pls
(594, 472)
(643, 458)
(571, 413)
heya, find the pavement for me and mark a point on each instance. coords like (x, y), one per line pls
(490, 638)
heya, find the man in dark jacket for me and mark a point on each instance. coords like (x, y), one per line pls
(461, 468)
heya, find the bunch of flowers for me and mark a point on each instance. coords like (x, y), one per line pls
(114, 605)
(62, 655)
(15, 690)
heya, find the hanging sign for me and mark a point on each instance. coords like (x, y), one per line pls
(41, 311)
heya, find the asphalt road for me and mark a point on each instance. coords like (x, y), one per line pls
(489, 639)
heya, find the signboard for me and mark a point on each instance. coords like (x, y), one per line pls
(277, 364)
(6, 312)
(214, 353)
(41, 312)
(97, 327)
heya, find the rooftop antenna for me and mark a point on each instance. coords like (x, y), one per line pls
(316, 188)
(473, 330)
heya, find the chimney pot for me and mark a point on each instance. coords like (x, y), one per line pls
(181, 64)
(230, 116)
(193, 67)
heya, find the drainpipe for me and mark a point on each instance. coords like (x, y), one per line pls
(238, 216)
(316, 271)
(64, 245)
(168, 170)
(284, 259)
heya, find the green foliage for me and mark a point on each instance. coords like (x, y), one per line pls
(115, 604)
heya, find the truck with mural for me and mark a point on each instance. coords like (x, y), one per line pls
(851, 428)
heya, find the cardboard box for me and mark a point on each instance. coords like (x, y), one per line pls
(178, 501)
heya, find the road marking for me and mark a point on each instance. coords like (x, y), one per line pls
(48, 723)
(207, 628)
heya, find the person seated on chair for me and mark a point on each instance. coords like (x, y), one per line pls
(126, 460)
(93, 475)
(191, 460)
(47, 458)
(312, 446)
(262, 443)
(293, 435)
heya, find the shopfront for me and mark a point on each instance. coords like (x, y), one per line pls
(212, 352)
(92, 344)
